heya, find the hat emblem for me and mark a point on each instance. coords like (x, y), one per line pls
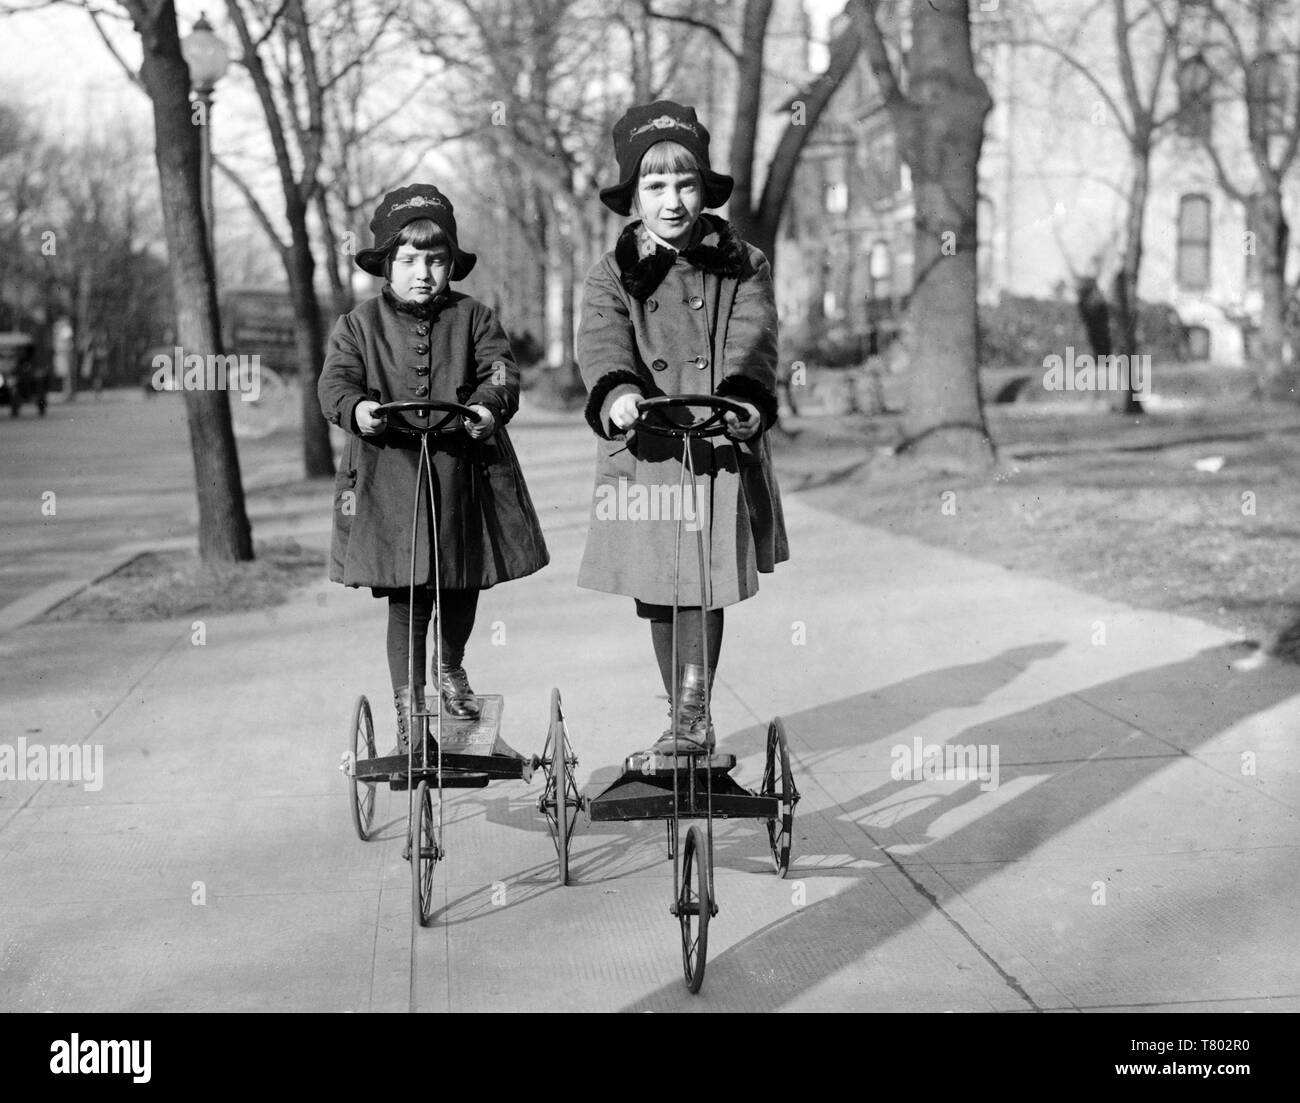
(666, 122)
(419, 201)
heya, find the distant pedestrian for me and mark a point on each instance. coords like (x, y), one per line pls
(419, 339)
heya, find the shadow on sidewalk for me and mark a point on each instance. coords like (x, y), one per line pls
(1041, 796)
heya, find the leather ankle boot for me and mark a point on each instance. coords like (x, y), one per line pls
(402, 702)
(457, 697)
(694, 721)
(694, 730)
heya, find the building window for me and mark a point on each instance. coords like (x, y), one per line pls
(837, 188)
(880, 267)
(1193, 270)
(1267, 93)
(1195, 106)
(878, 166)
(1198, 343)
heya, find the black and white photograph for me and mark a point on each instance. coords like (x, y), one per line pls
(651, 506)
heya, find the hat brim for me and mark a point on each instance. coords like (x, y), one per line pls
(717, 190)
(372, 261)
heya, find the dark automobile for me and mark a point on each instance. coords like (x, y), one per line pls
(20, 380)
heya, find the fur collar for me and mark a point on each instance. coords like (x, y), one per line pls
(643, 263)
(416, 310)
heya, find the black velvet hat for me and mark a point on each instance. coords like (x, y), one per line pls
(661, 121)
(405, 205)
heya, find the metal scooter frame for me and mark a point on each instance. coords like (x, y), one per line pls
(418, 794)
(462, 768)
(630, 798)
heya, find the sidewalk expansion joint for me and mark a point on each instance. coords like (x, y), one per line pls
(992, 962)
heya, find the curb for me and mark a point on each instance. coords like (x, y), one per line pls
(22, 612)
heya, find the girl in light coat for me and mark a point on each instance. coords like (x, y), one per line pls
(681, 305)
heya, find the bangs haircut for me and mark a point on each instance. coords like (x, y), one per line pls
(423, 233)
(669, 157)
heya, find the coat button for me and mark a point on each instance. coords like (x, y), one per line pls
(696, 302)
(421, 349)
(701, 362)
(421, 391)
(421, 369)
(652, 305)
(422, 329)
(660, 365)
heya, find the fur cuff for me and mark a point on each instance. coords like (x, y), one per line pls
(601, 391)
(745, 388)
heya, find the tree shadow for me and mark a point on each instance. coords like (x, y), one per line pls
(1061, 761)
(857, 723)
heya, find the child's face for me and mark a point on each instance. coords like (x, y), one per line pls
(417, 275)
(670, 202)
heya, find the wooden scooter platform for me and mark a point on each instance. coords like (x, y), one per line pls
(473, 753)
(644, 791)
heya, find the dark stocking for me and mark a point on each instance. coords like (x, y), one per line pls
(457, 621)
(400, 616)
(689, 645)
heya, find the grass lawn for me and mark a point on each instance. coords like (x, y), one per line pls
(1109, 505)
(170, 584)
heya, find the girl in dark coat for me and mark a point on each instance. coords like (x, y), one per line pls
(420, 340)
(681, 305)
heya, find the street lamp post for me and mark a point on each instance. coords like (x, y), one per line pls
(207, 57)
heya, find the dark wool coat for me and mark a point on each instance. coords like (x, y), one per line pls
(453, 350)
(702, 321)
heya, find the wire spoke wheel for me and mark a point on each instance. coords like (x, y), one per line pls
(560, 801)
(425, 853)
(268, 408)
(362, 797)
(778, 783)
(694, 908)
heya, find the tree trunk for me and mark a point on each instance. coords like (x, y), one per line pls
(744, 132)
(224, 532)
(340, 287)
(1126, 280)
(1276, 379)
(560, 299)
(941, 137)
(317, 456)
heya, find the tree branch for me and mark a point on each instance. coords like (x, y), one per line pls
(844, 51)
(698, 24)
(131, 74)
(1084, 71)
(259, 213)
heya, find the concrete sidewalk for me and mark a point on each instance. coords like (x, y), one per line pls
(1138, 850)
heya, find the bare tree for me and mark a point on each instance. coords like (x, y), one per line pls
(937, 104)
(224, 531)
(757, 219)
(1252, 50)
(1144, 37)
(282, 62)
(529, 95)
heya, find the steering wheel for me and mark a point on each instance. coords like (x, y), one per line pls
(450, 410)
(652, 417)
